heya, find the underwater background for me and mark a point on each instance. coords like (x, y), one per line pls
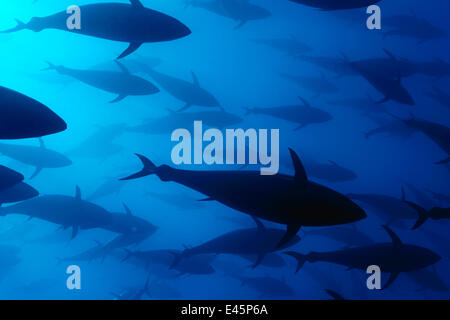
(240, 73)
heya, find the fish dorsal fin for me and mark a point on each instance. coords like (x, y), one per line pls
(78, 193)
(122, 67)
(395, 239)
(259, 224)
(305, 102)
(41, 143)
(127, 210)
(300, 173)
(136, 3)
(403, 194)
(195, 79)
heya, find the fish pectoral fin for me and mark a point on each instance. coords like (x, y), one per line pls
(119, 98)
(291, 231)
(445, 161)
(385, 99)
(185, 107)
(259, 259)
(301, 126)
(206, 199)
(131, 48)
(240, 25)
(392, 278)
(36, 172)
(75, 229)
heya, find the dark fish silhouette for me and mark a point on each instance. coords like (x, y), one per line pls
(336, 5)
(440, 96)
(291, 200)
(167, 124)
(191, 93)
(334, 295)
(434, 213)
(390, 67)
(267, 286)
(366, 105)
(16, 193)
(304, 114)
(392, 89)
(290, 46)
(122, 83)
(130, 224)
(336, 65)
(328, 171)
(318, 85)
(38, 157)
(394, 258)
(390, 127)
(132, 23)
(101, 143)
(421, 197)
(255, 241)
(63, 210)
(241, 11)
(23, 117)
(390, 208)
(270, 260)
(9, 178)
(413, 27)
(438, 133)
(111, 186)
(199, 265)
(348, 235)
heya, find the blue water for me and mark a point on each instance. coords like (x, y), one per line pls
(239, 73)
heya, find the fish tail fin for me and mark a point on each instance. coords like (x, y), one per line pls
(423, 214)
(301, 258)
(20, 26)
(128, 256)
(148, 169)
(51, 66)
(445, 161)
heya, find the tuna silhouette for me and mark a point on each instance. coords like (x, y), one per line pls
(23, 117)
(131, 23)
(9, 177)
(394, 258)
(122, 83)
(39, 157)
(291, 200)
(191, 93)
(256, 241)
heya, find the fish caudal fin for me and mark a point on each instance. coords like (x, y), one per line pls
(131, 48)
(148, 169)
(423, 214)
(20, 26)
(445, 161)
(301, 258)
(291, 231)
